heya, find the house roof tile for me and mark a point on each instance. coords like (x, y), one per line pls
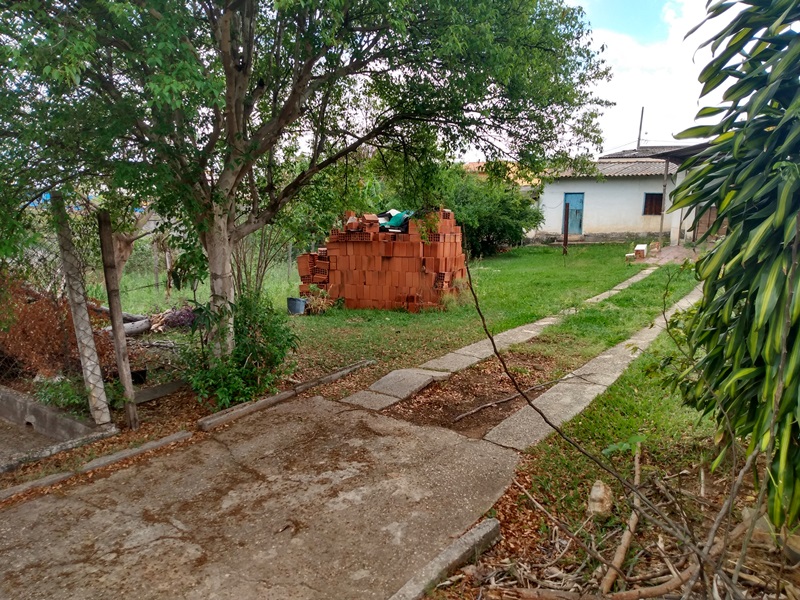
(642, 152)
(633, 168)
(638, 167)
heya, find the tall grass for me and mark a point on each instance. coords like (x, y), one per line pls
(140, 295)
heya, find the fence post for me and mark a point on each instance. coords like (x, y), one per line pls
(115, 308)
(76, 294)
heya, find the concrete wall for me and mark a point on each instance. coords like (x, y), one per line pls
(610, 207)
(22, 410)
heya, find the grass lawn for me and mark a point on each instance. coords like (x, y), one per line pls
(515, 288)
(596, 327)
(638, 403)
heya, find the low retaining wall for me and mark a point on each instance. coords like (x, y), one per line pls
(22, 410)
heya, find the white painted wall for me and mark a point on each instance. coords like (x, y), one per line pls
(614, 205)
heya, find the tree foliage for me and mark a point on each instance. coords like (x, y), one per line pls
(199, 106)
(746, 332)
(492, 214)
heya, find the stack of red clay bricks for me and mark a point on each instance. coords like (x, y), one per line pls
(374, 269)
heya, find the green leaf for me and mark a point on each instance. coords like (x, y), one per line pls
(710, 111)
(756, 239)
(786, 191)
(787, 60)
(769, 289)
(699, 131)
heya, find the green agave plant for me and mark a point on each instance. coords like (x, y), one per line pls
(745, 332)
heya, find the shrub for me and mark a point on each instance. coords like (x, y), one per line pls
(318, 301)
(262, 339)
(745, 333)
(66, 393)
(492, 214)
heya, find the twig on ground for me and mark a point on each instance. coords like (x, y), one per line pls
(665, 490)
(660, 547)
(689, 574)
(625, 543)
(538, 386)
(564, 551)
(565, 528)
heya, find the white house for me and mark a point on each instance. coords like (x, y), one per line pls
(627, 202)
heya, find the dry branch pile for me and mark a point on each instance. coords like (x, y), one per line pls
(541, 557)
(40, 337)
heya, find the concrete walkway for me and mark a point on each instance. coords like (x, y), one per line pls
(310, 499)
(15, 440)
(404, 383)
(306, 500)
(566, 399)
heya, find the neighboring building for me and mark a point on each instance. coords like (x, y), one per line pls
(627, 202)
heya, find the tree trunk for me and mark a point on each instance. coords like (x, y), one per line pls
(220, 254)
(92, 376)
(115, 308)
(123, 248)
(168, 261)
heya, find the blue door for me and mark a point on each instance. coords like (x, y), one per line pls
(575, 201)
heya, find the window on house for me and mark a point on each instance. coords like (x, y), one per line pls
(653, 204)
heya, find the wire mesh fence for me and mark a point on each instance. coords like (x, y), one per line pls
(38, 341)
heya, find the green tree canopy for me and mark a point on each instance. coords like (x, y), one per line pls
(746, 333)
(197, 105)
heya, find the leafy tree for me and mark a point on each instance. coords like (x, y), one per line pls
(198, 104)
(492, 210)
(492, 213)
(746, 332)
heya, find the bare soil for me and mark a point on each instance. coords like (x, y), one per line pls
(442, 403)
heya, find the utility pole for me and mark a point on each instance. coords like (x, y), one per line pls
(641, 122)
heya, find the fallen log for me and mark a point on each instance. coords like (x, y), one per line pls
(126, 317)
(136, 328)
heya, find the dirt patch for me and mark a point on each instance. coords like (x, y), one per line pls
(673, 254)
(442, 403)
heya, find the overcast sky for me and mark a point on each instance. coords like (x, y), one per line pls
(652, 66)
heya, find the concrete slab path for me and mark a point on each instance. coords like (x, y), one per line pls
(16, 440)
(566, 399)
(465, 357)
(404, 383)
(307, 500)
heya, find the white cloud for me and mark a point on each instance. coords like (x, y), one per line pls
(659, 76)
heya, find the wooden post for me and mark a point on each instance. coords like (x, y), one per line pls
(663, 205)
(566, 226)
(115, 307)
(76, 294)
